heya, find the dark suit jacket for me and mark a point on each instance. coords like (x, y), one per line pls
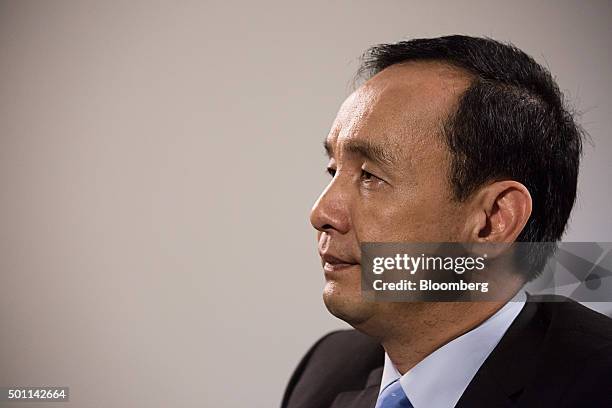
(555, 354)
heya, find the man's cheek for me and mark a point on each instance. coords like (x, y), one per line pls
(381, 225)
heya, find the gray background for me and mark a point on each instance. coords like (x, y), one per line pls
(158, 162)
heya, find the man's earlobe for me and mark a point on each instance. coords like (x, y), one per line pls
(503, 208)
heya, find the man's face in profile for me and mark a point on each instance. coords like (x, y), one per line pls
(389, 168)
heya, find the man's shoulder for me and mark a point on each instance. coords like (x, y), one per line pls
(557, 350)
(348, 351)
(573, 324)
(339, 361)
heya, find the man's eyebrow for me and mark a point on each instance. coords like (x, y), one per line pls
(367, 149)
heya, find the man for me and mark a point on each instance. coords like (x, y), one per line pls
(451, 139)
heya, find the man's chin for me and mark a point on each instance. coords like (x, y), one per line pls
(347, 304)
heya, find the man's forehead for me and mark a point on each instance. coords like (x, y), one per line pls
(400, 105)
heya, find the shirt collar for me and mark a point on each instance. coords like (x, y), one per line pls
(439, 380)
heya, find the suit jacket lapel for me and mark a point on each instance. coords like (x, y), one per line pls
(509, 367)
(484, 391)
(365, 398)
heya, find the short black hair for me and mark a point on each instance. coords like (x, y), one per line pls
(511, 123)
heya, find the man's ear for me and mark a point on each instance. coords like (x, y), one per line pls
(499, 212)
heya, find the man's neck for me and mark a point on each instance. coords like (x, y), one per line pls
(429, 327)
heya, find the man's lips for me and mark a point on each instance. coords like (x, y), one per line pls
(333, 263)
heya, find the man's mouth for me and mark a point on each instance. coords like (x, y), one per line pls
(333, 263)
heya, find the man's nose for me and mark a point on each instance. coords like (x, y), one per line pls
(330, 212)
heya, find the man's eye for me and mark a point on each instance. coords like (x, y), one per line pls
(367, 175)
(331, 171)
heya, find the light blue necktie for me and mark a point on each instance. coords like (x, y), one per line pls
(393, 397)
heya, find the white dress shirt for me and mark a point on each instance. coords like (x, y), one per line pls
(439, 380)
